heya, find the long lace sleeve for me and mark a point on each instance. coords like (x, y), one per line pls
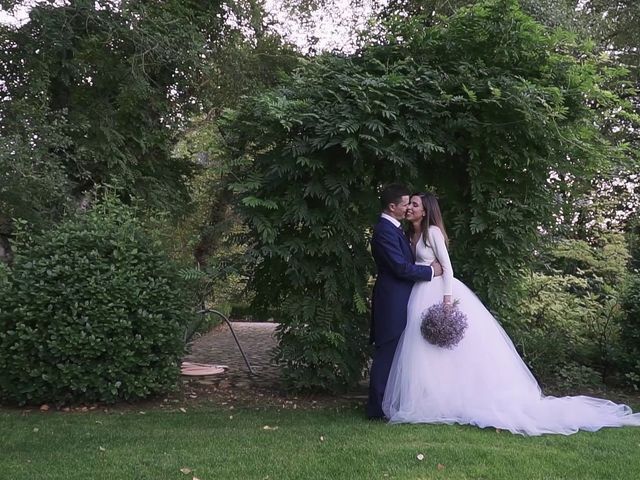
(436, 241)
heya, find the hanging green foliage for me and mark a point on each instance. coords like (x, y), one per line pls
(485, 108)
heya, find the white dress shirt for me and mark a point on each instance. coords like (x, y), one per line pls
(395, 221)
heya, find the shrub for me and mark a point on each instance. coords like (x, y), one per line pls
(569, 323)
(630, 330)
(574, 377)
(91, 311)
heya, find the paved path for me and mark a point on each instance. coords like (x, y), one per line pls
(217, 347)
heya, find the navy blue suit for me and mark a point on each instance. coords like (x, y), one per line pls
(396, 275)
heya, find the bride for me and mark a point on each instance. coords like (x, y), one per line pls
(482, 381)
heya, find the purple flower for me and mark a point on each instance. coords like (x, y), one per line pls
(443, 325)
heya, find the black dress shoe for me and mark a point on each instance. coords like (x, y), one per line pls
(376, 418)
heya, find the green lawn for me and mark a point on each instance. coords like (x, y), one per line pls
(307, 444)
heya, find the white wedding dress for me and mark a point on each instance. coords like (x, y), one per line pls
(482, 381)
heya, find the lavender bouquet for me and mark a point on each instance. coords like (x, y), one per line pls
(443, 325)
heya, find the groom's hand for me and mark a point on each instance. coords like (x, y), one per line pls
(437, 268)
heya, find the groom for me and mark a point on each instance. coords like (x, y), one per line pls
(396, 276)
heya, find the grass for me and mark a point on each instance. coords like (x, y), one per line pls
(218, 443)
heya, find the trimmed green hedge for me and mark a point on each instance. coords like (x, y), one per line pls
(91, 311)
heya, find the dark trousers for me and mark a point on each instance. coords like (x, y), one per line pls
(380, 367)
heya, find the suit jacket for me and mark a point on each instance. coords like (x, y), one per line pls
(396, 275)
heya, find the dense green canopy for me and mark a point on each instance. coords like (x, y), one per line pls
(485, 108)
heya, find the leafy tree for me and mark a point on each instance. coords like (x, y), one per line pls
(99, 92)
(117, 79)
(249, 69)
(483, 107)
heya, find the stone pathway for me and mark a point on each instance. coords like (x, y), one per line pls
(218, 347)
